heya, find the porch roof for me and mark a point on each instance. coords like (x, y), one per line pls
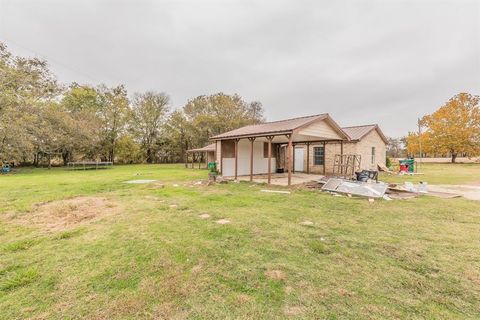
(282, 127)
(208, 148)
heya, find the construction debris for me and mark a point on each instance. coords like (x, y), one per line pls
(275, 191)
(357, 188)
(139, 181)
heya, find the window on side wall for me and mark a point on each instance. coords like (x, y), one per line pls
(373, 155)
(318, 156)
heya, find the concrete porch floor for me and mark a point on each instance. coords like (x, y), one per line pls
(281, 179)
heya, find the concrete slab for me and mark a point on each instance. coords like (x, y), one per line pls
(281, 179)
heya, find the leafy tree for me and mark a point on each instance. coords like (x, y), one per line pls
(394, 147)
(25, 86)
(455, 127)
(149, 111)
(81, 103)
(214, 114)
(128, 151)
(113, 114)
(413, 143)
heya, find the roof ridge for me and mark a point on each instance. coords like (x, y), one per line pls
(362, 125)
(276, 121)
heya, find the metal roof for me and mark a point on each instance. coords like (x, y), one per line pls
(209, 148)
(358, 132)
(274, 127)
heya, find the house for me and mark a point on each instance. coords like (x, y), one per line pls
(206, 153)
(312, 144)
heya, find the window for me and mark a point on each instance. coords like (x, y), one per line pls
(318, 156)
(373, 155)
(228, 148)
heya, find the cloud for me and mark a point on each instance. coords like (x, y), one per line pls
(385, 62)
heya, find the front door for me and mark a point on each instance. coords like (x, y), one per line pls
(298, 165)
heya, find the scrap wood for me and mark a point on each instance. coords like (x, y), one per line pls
(275, 191)
(384, 168)
(444, 195)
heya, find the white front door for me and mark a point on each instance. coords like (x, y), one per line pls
(298, 165)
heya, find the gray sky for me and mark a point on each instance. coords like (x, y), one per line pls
(385, 62)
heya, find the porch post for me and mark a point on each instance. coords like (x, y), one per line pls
(293, 156)
(308, 157)
(290, 156)
(341, 157)
(251, 157)
(269, 138)
(236, 158)
(199, 160)
(193, 158)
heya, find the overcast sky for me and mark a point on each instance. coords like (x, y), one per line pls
(385, 62)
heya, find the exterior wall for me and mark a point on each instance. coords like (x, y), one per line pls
(260, 164)
(331, 149)
(364, 148)
(320, 129)
(211, 156)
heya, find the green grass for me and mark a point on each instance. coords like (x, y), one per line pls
(405, 259)
(434, 173)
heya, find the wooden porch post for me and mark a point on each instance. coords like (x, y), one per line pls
(293, 156)
(290, 158)
(308, 157)
(251, 157)
(193, 158)
(341, 157)
(199, 160)
(236, 158)
(269, 138)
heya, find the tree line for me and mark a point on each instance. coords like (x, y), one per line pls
(41, 119)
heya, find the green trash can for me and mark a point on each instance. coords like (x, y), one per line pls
(411, 165)
(212, 166)
(407, 165)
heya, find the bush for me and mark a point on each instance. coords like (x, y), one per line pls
(388, 162)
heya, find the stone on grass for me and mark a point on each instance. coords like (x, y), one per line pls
(139, 181)
(223, 221)
(204, 216)
(173, 206)
(306, 223)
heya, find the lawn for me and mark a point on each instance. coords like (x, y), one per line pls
(441, 173)
(146, 253)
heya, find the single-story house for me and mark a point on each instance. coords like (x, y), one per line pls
(312, 144)
(207, 153)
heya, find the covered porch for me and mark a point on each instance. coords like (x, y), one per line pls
(200, 157)
(262, 151)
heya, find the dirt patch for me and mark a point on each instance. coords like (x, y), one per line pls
(67, 214)
(293, 311)
(276, 274)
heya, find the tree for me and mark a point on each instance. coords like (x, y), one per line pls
(413, 143)
(455, 127)
(81, 104)
(25, 86)
(214, 114)
(395, 148)
(113, 114)
(149, 111)
(179, 135)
